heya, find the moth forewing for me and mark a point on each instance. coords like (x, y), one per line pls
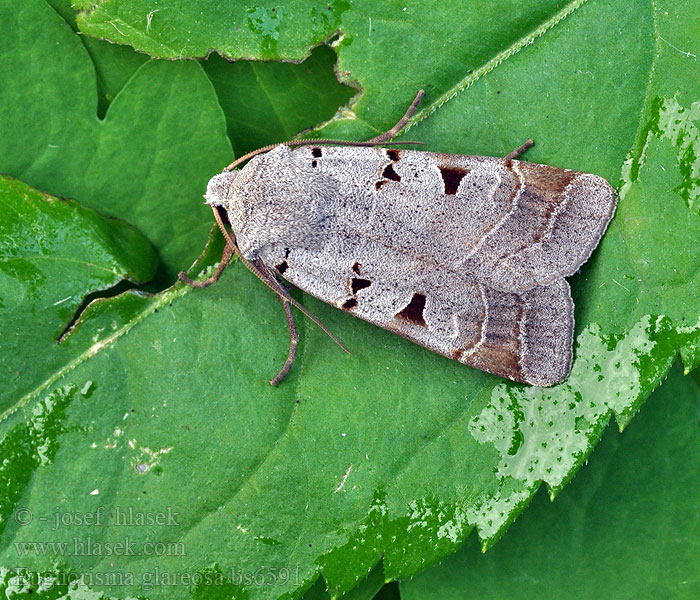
(465, 255)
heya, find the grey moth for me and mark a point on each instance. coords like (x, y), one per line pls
(465, 255)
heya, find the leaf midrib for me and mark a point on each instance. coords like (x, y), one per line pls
(491, 64)
(170, 295)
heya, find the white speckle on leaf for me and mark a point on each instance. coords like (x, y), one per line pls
(112, 442)
(94, 492)
(688, 54)
(148, 458)
(343, 479)
(117, 28)
(622, 286)
(454, 528)
(149, 18)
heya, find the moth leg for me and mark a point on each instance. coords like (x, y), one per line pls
(293, 341)
(387, 135)
(518, 151)
(269, 277)
(225, 259)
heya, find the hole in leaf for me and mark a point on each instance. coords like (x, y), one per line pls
(316, 152)
(118, 288)
(349, 304)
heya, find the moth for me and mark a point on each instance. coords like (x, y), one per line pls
(465, 255)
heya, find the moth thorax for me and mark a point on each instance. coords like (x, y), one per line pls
(277, 200)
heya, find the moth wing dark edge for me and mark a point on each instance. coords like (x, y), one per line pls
(542, 222)
(551, 326)
(526, 338)
(578, 206)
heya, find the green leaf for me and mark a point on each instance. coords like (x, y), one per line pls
(147, 162)
(181, 28)
(371, 587)
(600, 538)
(114, 64)
(304, 95)
(392, 452)
(53, 253)
(690, 354)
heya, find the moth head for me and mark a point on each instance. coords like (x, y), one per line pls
(218, 187)
(275, 199)
(223, 191)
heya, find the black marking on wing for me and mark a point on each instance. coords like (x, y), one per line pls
(451, 176)
(413, 311)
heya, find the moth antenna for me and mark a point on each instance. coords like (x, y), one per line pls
(380, 140)
(264, 278)
(322, 142)
(350, 143)
(245, 157)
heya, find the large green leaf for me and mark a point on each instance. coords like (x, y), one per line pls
(304, 95)
(53, 253)
(146, 162)
(392, 451)
(114, 64)
(626, 527)
(180, 28)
